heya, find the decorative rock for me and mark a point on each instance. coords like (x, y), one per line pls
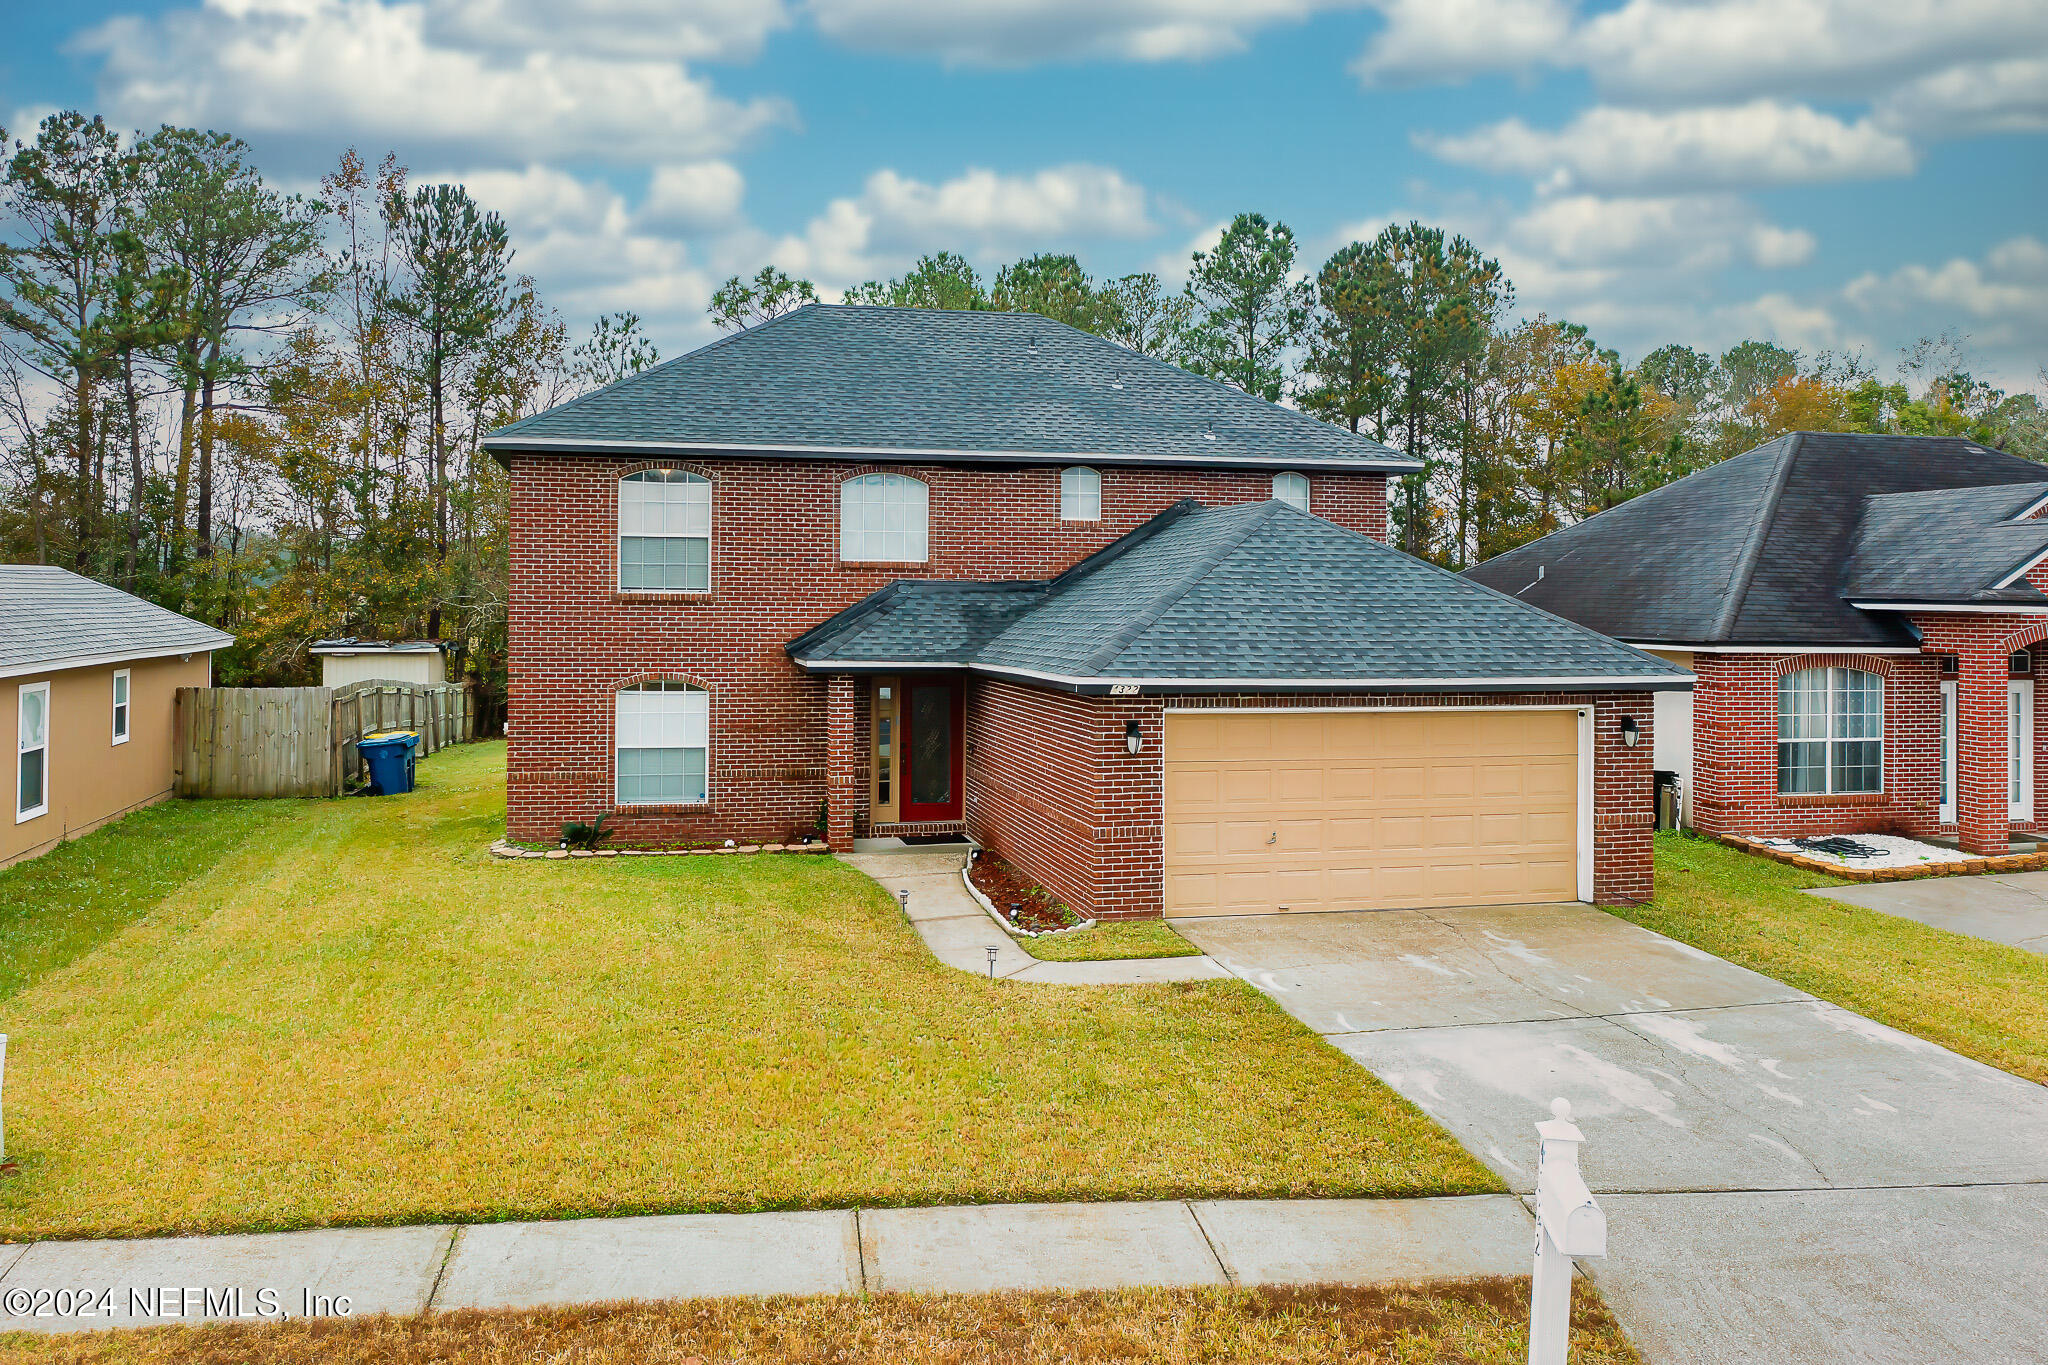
(558, 853)
(533, 853)
(607, 853)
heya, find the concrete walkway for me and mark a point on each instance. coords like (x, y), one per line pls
(965, 1249)
(960, 933)
(1783, 1179)
(2012, 908)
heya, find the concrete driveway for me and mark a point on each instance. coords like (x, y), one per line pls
(2010, 909)
(1800, 1182)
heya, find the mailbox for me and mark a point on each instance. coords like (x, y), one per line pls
(1571, 1217)
(1568, 1224)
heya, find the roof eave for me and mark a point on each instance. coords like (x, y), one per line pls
(126, 656)
(1157, 686)
(502, 447)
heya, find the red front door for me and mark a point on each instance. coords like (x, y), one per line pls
(933, 724)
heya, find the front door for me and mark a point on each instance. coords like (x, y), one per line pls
(932, 732)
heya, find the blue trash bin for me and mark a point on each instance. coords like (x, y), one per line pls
(388, 757)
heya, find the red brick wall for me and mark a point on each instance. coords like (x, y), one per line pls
(775, 573)
(1052, 788)
(1735, 749)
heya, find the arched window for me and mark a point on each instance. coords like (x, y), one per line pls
(1292, 489)
(1830, 731)
(883, 518)
(665, 531)
(1080, 494)
(663, 735)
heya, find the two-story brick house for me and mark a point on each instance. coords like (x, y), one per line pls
(984, 573)
(1865, 617)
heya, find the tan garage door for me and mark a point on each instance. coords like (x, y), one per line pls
(1351, 810)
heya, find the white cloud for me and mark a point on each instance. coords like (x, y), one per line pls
(2006, 291)
(1448, 40)
(1695, 232)
(1020, 32)
(368, 70)
(895, 218)
(1993, 97)
(1614, 150)
(697, 197)
(592, 252)
(1721, 50)
(721, 30)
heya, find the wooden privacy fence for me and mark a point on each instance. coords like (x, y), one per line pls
(301, 741)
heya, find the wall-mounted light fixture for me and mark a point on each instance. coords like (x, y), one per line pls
(1134, 737)
(1631, 733)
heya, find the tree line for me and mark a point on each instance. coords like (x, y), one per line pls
(265, 410)
(1522, 425)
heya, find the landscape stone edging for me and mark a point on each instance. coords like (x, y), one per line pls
(501, 849)
(1968, 867)
(1002, 920)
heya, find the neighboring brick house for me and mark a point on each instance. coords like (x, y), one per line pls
(1864, 615)
(982, 573)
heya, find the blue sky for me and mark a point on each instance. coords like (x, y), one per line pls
(1828, 173)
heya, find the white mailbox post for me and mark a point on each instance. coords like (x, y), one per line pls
(1568, 1224)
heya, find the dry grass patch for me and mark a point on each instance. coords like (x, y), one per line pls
(1465, 1323)
(1985, 1000)
(360, 1017)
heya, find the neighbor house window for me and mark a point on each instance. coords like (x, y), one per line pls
(1292, 489)
(664, 740)
(121, 706)
(883, 518)
(32, 752)
(1830, 731)
(1080, 494)
(665, 531)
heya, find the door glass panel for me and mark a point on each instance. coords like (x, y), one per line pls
(931, 745)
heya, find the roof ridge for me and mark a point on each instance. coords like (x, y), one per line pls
(1160, 605)
(1744, 572)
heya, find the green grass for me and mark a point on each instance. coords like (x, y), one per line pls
(347, 1012)
(79, 894)
(1111, 941)
(1982, 999)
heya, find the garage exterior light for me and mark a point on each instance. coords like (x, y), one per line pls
(1631, 733)
(1134, 737)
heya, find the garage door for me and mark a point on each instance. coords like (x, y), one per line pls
(1350, 810)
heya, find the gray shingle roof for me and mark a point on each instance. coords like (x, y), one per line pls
(1259, 593)
(837, 379)
(1947, 545)
(1754, 550)
(52, 618)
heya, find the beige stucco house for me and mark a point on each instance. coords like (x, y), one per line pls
(88, 702)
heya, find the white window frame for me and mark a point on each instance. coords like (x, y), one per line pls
(1080, 493)
(124, 705)
(1287, 483)
(898, 497)
(689, 723)
(698, 493)
(22, 748)
(2019, 749)
(1947, 813)
(1828, 739)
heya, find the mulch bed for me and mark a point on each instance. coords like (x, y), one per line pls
(1037, 910)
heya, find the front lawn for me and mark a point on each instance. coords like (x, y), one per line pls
(1482, 1322)
(355, 1015)
(1982, 999)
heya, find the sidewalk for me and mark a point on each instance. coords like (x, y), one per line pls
(960, 933)
(962, 1249)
